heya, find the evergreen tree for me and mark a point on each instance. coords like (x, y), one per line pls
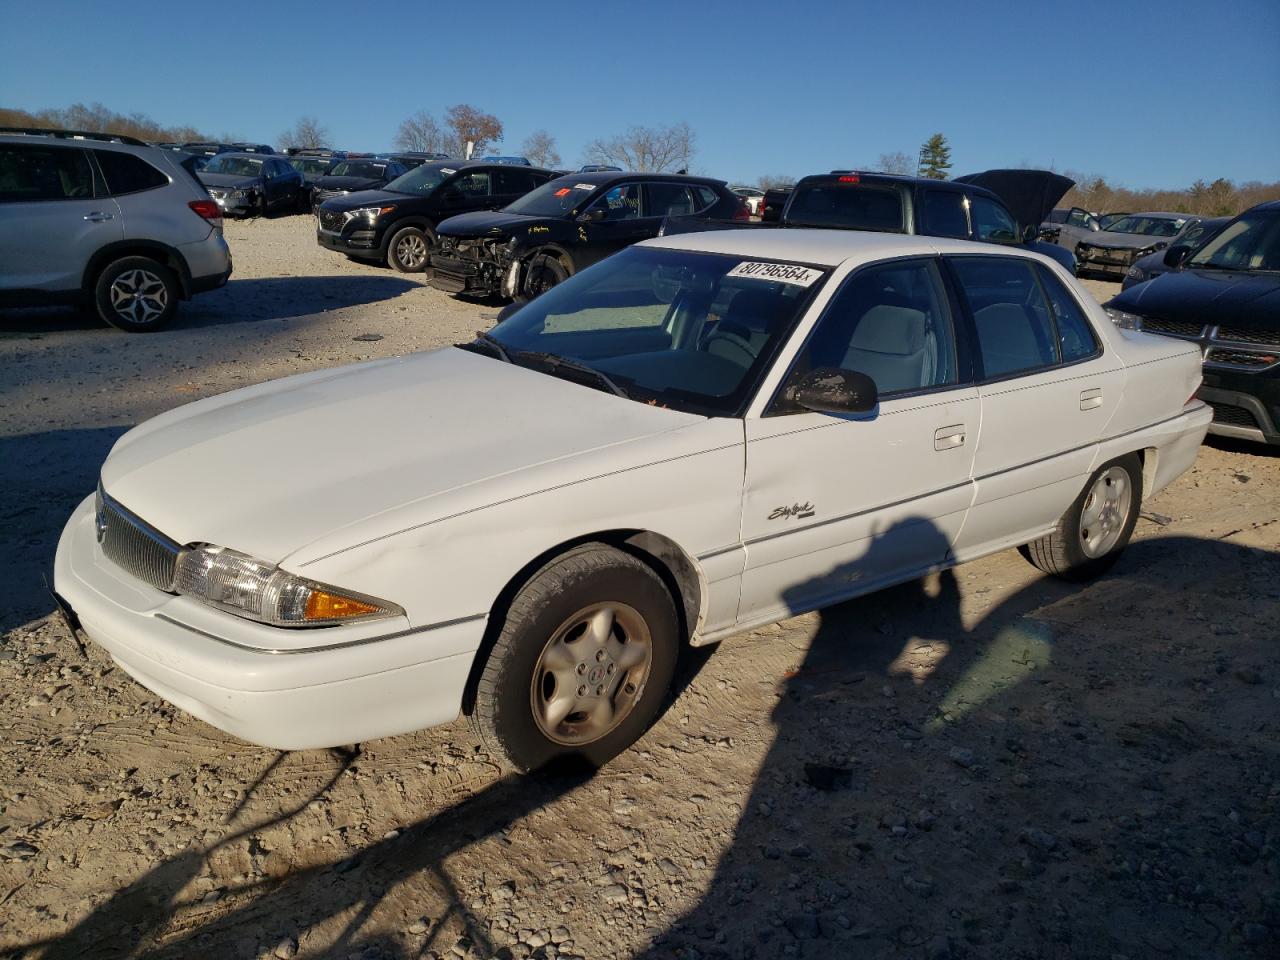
(935, 158)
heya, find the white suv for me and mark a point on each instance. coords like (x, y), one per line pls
(93, 217)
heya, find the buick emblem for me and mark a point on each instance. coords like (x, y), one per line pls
(100, 522)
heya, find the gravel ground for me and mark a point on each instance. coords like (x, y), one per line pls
(985, 763)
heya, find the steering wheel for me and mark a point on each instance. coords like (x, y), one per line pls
(737, 338)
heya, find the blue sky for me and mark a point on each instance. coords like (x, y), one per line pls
(1148, 94)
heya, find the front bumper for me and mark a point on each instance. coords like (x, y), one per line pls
(358, 243)
(257, 682)
(235, 206)
(455, 275)
(1245, 406)
(1110, 260)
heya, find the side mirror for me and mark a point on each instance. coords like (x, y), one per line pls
(831, 390)
(594, 215)
(1030, 233)
(1174, 255)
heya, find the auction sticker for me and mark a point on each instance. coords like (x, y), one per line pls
(447, 172)
(780, 272)
(584, 186)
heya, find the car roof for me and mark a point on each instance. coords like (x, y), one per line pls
(826, 247)
(1162, 215)
(467, 164)
(601, 177)
(242, 155)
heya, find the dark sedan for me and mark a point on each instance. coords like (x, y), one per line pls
(1225, 296)
(355, 174)
(1194, 234)
(251, 184)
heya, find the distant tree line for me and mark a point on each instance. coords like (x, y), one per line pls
(98, 119)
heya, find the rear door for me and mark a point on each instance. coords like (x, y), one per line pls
(54, 215)
(474, 190)
(510, 184)
(1047, 390)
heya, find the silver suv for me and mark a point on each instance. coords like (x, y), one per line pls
(88, 217)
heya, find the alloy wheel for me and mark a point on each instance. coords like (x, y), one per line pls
(411, 251)
(139, 295)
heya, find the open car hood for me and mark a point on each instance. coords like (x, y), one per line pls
(1029, 194)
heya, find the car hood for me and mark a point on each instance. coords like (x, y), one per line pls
(1029, 194)
(1227, 297)
(1123, 241)
(348, 183)
(364, 198)
(227, 180)
(490, 223)
(271, 468)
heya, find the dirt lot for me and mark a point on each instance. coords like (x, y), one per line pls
(982, 764)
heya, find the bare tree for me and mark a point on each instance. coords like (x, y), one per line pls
(896, 162)
(540, 148)
(421, 133)
(306, 134)
(646, 149)
(776, 181)
(469, 124)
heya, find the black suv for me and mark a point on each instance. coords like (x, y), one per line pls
(567, 225)
(353, 175)
(1225, 296)
(397, 224)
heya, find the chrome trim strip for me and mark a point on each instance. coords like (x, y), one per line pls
(719, 553)
(321, 649)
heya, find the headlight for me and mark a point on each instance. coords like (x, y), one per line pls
(242, 193)
(260, 591)
(1145, 251)
(369, 213)
(1123, 320)
(1135, 274)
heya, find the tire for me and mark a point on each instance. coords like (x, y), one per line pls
(261, 209)
(543, 273)
(137, 294)
(409, 250)
(582, 663)
(1085, 544)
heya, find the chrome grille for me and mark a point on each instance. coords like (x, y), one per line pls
(1173, 328)
(1240, 335)
(331, 221)
(133, 545)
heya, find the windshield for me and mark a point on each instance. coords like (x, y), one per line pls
(359, 168)
(310, 167)
(419, 181)
(1251, 242)
(234, 166)
(559, 198)
(846, 206)
(690, 331)
(1146, 226)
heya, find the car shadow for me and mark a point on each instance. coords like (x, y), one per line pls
(922, 749)
(249, 300)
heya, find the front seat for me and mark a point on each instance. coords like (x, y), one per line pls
(890, 346)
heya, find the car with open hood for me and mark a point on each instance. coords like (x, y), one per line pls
(1115, 248)
(565, 226)
(697, 436)
(1223, 296)
(354, 174)
(397, 224)
(251, 184)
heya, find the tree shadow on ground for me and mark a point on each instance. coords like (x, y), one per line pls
(1000, 801)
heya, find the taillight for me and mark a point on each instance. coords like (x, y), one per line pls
(743, 212)
(207, 209)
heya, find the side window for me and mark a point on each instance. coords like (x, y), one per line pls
(706, 197)
(992, 222)
(945, 214)
(1058, 216)
(513, 182)
(126, 173)
(476, 184)
(668, 200)
(620, 203)
(1076, 339)
(890, 322)
(30, 173)
(1015, 332)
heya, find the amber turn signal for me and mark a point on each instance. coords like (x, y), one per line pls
(322, 605)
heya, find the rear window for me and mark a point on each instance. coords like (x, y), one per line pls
(126, 173)
(847, 206)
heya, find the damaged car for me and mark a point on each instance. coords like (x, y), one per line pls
(1115, 248)
(250, 184)
(691, 439)
(565, 226)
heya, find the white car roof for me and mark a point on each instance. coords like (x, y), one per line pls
(824, 247)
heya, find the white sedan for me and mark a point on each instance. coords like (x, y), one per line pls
(697, 436)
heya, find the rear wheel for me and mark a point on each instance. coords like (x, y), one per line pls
(582, 663)
(544, 272)
(137, 294)
(408, 250)
(1096, 528)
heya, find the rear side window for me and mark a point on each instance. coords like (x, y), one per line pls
(847, 206)
(706, 197)
(1076, 339)
(515, 182)
(126, 173)
(992, 222)
(669, 200)
(475, 184)
(945, 214)
(30, 173)
(1015, 331)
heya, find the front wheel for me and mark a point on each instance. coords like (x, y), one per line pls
(582, 663)
(409, 250)
(137, 294)
(1096, 527)
(544, 272)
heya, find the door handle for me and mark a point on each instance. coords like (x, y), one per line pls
(98, 216)
(1091, 399)
(948, 438)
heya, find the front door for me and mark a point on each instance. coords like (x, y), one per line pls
(613, 221)
(838, 505)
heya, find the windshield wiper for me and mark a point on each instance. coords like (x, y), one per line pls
(554, 360)
(492, 341)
